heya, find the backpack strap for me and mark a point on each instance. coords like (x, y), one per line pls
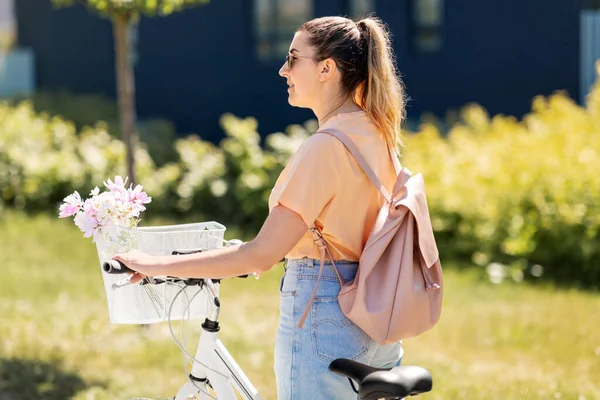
(397, 167)
(364, 165)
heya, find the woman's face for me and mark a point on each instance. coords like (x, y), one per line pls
(301, 73)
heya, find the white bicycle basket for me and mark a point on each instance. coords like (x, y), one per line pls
(146, 304)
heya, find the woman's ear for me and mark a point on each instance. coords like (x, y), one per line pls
(328, 68)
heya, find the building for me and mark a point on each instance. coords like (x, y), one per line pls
(193, 66)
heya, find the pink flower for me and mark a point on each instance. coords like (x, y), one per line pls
(138, 197)
(118, 186)
(72, 205)
(88, 209)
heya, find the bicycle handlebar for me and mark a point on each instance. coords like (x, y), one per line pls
(115, 267)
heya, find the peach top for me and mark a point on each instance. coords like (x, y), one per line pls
(324, 184)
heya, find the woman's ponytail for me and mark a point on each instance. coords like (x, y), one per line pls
(382, 93)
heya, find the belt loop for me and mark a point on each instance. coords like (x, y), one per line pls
(309, 262)
(285, 264)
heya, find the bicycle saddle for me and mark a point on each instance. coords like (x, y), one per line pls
(377, 383)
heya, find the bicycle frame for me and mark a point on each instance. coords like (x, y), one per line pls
(221, 370)
(213, 365)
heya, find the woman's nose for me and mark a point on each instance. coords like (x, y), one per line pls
(283, 71)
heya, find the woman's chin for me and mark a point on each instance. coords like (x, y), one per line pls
(293, 101)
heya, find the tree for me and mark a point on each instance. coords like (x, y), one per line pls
(124, 14)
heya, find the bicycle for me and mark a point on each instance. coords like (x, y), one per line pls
(216, 375)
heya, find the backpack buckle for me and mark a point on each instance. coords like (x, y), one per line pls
(318, 238)
(315, 231)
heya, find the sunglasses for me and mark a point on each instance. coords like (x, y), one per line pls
(290, 59)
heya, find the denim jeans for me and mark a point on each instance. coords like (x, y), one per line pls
(303, 355)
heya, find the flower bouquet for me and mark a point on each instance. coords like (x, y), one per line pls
(111, 218)
(118, 206)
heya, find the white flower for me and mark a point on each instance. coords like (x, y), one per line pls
(72, 205)
(85, 224)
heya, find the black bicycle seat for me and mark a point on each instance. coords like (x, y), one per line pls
(384, 383)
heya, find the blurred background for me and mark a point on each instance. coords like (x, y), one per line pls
(224, 56)
(184, 98)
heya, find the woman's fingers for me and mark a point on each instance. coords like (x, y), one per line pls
(122, 258)
(136, 277)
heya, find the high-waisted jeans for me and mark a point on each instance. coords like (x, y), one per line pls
(303, 355)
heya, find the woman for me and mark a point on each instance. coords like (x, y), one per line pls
(344, 72)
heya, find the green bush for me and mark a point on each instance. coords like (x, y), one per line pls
(80, 109)
(522, 195)
(43, 158)
(92, 110)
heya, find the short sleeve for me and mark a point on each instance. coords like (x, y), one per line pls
(311, 178)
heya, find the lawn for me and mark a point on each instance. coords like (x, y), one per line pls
(493, 342)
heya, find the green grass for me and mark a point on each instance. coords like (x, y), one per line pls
(493, 342)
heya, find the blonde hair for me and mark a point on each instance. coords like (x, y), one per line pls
(363, 53)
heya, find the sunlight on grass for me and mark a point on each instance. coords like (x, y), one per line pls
(493, 342)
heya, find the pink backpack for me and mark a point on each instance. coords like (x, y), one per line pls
(397, 291)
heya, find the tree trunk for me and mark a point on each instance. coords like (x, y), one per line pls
(125, 90)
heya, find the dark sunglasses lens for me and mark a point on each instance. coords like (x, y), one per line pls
(290, 61)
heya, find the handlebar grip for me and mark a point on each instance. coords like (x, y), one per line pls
(115, 267)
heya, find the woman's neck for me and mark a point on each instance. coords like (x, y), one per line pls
(345, 105)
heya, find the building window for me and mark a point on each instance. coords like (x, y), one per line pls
(361, 8)
(276, 21)
(428, 18)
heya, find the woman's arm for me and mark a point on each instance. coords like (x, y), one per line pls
(282, 229)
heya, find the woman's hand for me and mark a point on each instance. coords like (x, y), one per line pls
(143, 264)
